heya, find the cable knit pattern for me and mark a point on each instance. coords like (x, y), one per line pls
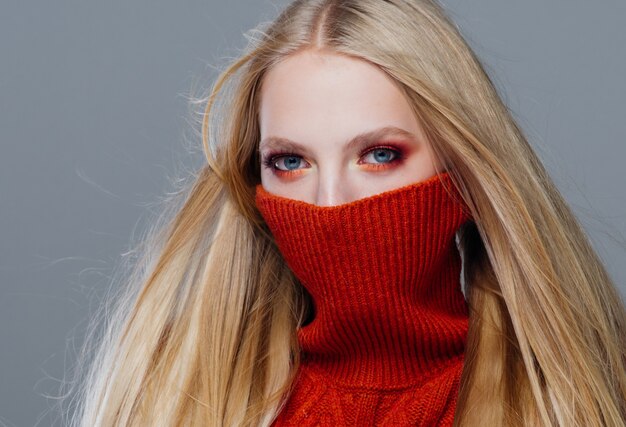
(386, 344)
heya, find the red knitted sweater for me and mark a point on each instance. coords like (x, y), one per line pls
(386, 343)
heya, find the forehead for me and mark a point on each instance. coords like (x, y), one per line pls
(332, 97)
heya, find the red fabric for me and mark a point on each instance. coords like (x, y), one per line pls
(387, 341)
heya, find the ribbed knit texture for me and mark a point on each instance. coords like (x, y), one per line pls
(387, 341)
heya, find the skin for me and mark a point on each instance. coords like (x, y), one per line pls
(321, 101)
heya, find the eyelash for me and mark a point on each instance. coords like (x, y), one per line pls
(270, 159)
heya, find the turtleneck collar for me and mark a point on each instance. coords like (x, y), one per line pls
(384, 275)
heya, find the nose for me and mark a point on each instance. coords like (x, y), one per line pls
(327, 199)
(332, 191)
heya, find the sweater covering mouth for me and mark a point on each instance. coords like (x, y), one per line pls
(386, 342)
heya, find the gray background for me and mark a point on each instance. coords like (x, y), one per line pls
(94, 119)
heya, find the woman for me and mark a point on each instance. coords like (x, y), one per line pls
(309, 279)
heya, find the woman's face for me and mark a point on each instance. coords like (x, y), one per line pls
(336, 129)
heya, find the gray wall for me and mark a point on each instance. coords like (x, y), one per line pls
(93, 120)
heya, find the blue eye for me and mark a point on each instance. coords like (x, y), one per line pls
(384, 154)
(292, 162)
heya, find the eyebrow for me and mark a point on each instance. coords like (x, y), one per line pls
(359, 140)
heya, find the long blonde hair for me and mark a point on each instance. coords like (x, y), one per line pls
(203, 331)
